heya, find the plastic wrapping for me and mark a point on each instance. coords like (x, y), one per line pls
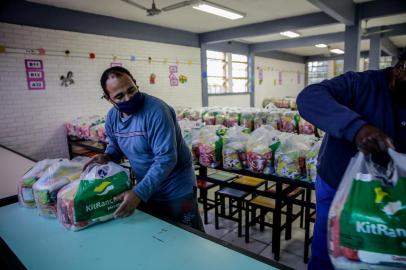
(311, 161)
(260, 147)
(52, 180)
(288, 121)
(234, 149)
(290, 157)
(91, 199)
(367, 218)
(25, 192)
(232, 118)
(305, 127)
(247, 120)
(210, 146)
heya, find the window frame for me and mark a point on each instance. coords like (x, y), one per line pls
(228, 75)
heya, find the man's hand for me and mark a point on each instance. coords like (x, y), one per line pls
(128, 206)
(99, 158)
(372, 140)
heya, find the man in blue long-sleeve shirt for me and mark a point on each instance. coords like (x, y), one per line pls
(358, 111)
(145, 130)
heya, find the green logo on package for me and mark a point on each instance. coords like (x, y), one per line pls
(374, 214)
(95, 198)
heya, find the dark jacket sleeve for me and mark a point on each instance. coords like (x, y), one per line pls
(327, 105)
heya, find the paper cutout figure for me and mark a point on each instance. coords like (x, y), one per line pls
(66, 81)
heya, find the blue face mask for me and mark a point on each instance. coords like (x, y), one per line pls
(132, 105)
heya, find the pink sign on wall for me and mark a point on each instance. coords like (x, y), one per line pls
(34, 70)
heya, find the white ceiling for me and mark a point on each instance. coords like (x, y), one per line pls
(331, 28)
(192, 20)
(187, 18)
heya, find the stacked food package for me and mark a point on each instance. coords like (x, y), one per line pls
(260, 146)
(210, 146)
(91, 199)
(82, 127)
(55, 177)
(25, 192)
(290, 157)
(234, 148)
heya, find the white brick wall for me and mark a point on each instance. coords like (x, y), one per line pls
(289, 87)
(31, 122)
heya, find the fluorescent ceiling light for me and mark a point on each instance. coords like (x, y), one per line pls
(218, 10)
(337, 51)
(290, 34)
(321, 45)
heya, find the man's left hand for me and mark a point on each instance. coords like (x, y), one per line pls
(129, 203)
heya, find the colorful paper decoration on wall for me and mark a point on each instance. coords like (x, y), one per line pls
(152, 78)
(173, 69)
(182, 79)
(280, 77)
(173, 79)
(67, 53)
(274, 82)
(149, 60)
(67, 80)
(260, 75)
(2, 49)
(35, 74)
(116, 64)
(41, 51)
(133, 58)
(189, 62)
(92, 55)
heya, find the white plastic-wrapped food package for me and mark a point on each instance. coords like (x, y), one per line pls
(290, 157)
(210, 146)
(52, 180)
(91, 199)
(234, 148)
(367, 218)
(260, 146)
(25, 192)
(311, 161)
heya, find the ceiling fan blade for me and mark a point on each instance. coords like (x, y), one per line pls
(135, 4)
(179, 5)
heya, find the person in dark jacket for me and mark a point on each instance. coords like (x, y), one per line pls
(363, 111)
(144, 129)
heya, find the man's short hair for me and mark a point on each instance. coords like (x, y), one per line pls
(118, 71)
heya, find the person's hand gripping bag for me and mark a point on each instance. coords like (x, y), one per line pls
(91, 199)
(367, 219)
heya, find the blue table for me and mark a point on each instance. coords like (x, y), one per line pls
(140, 241)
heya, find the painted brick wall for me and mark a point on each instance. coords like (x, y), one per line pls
(32, 122)
(290, 85)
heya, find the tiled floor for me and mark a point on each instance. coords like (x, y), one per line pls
(260, 242)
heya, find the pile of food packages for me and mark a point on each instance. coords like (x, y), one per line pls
(87, 128)
(286, 120)
(284, 102)
(59, 188)
(266, 150)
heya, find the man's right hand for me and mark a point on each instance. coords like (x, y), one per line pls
(99, 158)
(372, 140)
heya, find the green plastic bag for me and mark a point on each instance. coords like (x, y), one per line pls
(367, 219)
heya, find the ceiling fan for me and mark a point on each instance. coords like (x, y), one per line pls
(156, 11)
(367, 33)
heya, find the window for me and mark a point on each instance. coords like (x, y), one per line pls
(338, 67)
(317, 71)
(227, 73)
(385, 61)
